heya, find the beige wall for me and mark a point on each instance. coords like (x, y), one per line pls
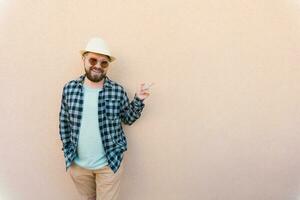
(223, 119)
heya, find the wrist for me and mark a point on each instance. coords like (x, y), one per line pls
(138, 98)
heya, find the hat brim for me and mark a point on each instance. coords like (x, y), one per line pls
(112, 58)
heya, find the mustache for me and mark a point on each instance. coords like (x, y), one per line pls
(97, 69)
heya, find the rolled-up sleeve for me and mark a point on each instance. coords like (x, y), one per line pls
(130, 111)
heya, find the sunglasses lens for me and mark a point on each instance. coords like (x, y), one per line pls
(104, 64)
(93, 61)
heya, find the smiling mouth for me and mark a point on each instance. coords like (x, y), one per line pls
(96, 71)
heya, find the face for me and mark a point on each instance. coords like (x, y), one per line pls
(95, 66)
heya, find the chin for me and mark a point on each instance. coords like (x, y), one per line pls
(95, 80)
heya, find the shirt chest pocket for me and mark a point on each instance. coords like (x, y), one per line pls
(112, 108)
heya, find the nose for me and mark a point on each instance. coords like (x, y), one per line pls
(97, 67)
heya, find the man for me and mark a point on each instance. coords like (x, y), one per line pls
(92, 109)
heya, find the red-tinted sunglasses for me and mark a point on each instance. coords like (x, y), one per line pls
(94, 61)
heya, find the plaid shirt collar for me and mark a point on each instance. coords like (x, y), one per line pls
(107, 82)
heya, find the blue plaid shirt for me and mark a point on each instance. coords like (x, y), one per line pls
(114, 107)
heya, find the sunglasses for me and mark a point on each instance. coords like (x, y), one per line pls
(94, 61)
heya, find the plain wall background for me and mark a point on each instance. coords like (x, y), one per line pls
(222, 121)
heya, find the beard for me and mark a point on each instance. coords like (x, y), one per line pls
(95, 76)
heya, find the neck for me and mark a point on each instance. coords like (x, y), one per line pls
(93, 84)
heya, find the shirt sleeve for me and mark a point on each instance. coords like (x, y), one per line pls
(130, 111)
(64, 124)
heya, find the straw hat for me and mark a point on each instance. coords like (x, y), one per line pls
(97, 45)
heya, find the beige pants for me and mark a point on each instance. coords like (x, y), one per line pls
(100, 184)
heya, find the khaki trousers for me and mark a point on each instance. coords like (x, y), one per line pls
(100, 184)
